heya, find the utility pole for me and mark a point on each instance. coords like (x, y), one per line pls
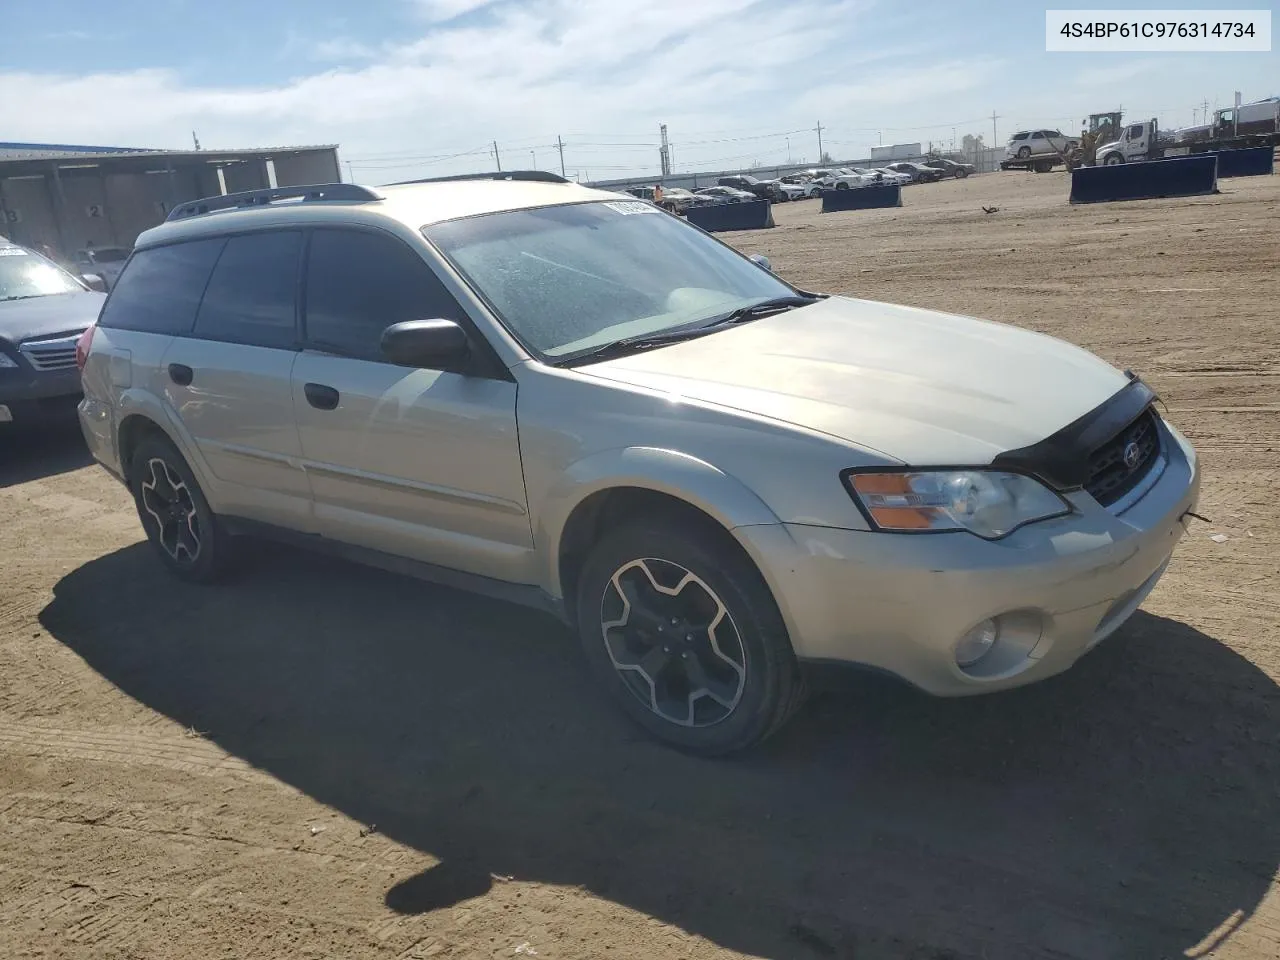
(788, 151)
(664, 152)
(496, 158)
(560, 145)
(820, 141)
(351, 177)
(533, 156)
(195, 140)
(995, 137)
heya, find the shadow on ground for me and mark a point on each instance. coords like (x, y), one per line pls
(1127, 809)
(34, 452)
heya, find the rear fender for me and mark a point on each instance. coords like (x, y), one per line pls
(137, 402)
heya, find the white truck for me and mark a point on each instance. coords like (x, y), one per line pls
(1252, 126)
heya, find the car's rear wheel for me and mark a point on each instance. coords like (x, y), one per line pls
(175, 514)
(841, 185)
(683, 632)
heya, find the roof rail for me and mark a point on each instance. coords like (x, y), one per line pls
(534, 176)
(262, 198)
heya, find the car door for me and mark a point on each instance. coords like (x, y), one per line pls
(1135, 146)
(229, 379)
(416, 463)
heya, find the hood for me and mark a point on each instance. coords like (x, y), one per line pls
(49, 316)
(1110, 145)
(915, 385)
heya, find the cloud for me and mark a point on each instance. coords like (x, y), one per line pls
(522, 73)
(442, 10)
(341, 50)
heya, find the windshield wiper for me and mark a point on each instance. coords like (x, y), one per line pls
(756, 310)
(635, 344)
(628, 345)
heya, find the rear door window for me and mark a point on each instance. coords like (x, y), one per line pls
(359, 283)
(252, 295)
(160, 288)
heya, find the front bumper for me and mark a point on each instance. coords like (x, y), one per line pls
(32, 395)
(899, 603)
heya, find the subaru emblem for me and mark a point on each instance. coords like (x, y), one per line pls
(1132, 454)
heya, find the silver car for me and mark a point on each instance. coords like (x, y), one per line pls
(564, 398)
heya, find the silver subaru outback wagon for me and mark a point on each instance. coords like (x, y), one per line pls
(571, 399)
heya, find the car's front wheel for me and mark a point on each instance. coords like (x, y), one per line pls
(682, 630)
(1024, 152)
(175, 514)
(841, 185)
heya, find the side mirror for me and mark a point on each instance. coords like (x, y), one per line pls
(429, 344)
(762, 261)
(94, 282)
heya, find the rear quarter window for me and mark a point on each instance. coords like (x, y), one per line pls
(160, 288)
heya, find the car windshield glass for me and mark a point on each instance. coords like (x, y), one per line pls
(569, 279)
(110, 255)
(24, 275)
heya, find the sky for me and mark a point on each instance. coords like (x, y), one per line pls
(415, 88)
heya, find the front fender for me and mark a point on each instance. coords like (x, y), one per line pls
(700, 484)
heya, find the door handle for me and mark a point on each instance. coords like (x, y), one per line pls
(320, 396)
(181, 374)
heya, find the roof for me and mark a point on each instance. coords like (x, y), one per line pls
(17, 152)
(413, 205)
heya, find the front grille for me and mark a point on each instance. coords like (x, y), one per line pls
(1110, 478)
(58, 354)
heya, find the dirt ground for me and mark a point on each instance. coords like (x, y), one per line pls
(319, 760)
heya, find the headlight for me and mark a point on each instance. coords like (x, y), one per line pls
(7, 362)
(988, 503)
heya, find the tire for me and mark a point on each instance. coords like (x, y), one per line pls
(1024, 152)
(1112, 160)
(189, 540)
(841, 185)
(748, 677)
(961, 174)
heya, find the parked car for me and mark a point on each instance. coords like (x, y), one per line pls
(843, 179)
(952, 168)
(1032, 143)
(757, 188)
(43, 310)
(578, 403)
(726, 194)
(902, 179)
(678, 199)
(105, 262)
(916, 171)
(789, 191)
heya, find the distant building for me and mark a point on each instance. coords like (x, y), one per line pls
(70, 197)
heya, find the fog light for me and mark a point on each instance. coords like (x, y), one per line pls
(977, 643)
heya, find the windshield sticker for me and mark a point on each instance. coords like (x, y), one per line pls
(632, 206)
